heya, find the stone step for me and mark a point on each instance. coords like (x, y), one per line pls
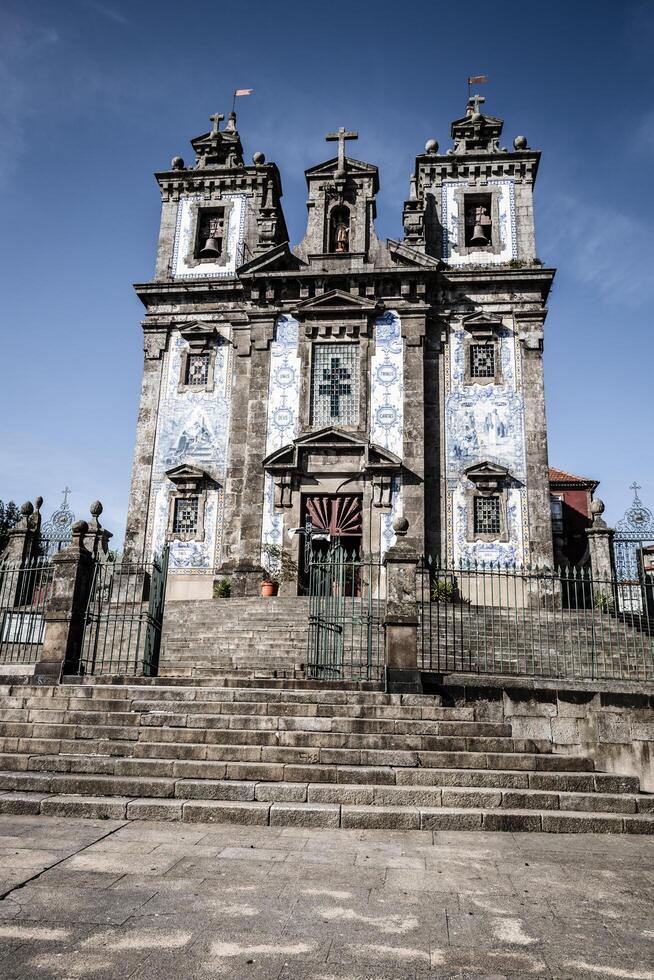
(88, 784)
(332, 815)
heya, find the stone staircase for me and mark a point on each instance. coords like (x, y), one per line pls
(241, 637)
(292, 753)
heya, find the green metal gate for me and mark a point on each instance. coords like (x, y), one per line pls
(346, 617)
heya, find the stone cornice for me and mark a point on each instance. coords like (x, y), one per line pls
(522, 166)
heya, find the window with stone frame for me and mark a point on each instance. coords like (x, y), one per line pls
(185, 515)
(335, 385)
(197, 370)
(482, 360)
(487, 516)
(210, 233)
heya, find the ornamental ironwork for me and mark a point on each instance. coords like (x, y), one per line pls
(57, 533)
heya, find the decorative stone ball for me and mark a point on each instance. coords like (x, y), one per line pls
(27, 508)
(80, 527)
(431, 146)
(177, 163)
(96, 509)
(400, 526)
(38, 502)
(597, 507)
(520, 142)
(258, 158)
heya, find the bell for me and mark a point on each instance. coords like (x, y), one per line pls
(478, 236)
(211, 249)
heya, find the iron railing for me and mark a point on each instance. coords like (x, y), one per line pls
(492, 619)
(124, 616)
(346, 613)
(24, 591)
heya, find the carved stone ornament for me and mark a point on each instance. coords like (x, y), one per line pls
(154, 344)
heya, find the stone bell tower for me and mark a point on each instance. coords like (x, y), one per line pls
(472, 207)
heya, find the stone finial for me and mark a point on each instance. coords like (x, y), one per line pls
(96, 509)
(597, 508)
(400, 526)
(177, 163)
(27, 509)
(258, 158)
(520, 143)
(80, 528)
(431, 146)
(38, 502)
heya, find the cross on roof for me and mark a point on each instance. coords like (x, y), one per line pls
(65, 492)
(341, 136)
(635, 487)
(216, 118)
(477, 101)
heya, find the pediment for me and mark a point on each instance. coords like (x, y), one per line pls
(277, 259)
(405, 255)
(487, 476)
(336, 300)
(198, 333)
(481, 323)
(186, 474)
(332, 440)
(354, 167)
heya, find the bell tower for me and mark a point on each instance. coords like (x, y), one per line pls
(472, 208)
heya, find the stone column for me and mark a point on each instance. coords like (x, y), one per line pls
(245, 480)
(154, 345)
(401, 619)
(23, 544)
(530, 325)
(66, 609)
(413, 476)
(600, 545)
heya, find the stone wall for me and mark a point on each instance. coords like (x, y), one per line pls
(612, 723)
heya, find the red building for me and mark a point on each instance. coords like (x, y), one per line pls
(570, 500)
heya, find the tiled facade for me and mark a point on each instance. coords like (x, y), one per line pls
(408, 373)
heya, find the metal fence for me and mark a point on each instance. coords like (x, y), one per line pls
(124, 616)
(24, 591)
(346, 613)
(493, 619)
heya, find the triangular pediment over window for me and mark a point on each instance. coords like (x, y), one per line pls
(336, 299)
(487, 476)
(332, 441)
(481, 324)
(198, 334)
(187, 477)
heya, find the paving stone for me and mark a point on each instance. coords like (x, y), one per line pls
(446, 818)
(85, 806)
(226, 812)
(305, 815)
(156, 809)
(375, 817)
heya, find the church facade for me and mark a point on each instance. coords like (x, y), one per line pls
(344, 381)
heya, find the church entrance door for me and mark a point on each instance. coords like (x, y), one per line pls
(338, 515)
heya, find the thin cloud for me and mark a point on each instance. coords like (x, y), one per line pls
(106, 10)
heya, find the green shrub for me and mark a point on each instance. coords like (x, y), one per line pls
(604, 602)
(443, 591)
(222, 589)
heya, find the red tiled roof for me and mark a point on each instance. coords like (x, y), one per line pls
(560, 476)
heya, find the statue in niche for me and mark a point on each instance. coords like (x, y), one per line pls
(340, 230)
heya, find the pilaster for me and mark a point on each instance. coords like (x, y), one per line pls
(154, 346)
(413, 471)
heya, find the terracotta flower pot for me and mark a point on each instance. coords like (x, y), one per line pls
(268, 589)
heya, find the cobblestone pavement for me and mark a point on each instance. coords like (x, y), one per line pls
(145, 901)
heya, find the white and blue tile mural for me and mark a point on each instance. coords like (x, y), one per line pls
(192, 427)
(387, 408)
(283, 414)
(185, 231)
(485, 423)
(450, 225)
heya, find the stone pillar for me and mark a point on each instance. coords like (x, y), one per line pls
(600, 545)
(245, 480)
(24, 538)
(530, 325)
(66, 609)
(413, 457)
(154, 345)
(98, 538)
(401, 619)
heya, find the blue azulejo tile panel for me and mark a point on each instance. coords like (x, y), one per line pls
(192, 427)
(283, 414)
(450, 223)
(387, 385)
(485, 423)
(185, 232)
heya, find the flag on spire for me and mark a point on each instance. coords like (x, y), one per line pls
(477, 79)
(243, 91)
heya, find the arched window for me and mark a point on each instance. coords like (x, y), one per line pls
(339, 229)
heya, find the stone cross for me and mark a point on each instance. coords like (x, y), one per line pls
(65, 492)
(341, 136)
(477, 101)
(635, 487)
(216, 119)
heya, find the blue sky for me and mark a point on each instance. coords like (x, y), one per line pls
(97, 94)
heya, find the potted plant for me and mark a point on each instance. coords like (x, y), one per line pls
(280, 568)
